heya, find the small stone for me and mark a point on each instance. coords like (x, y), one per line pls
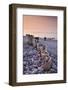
(55, 61)
(30, 52)
(30, 63)
(24, 62)
(35, 66)
(40, 68)
(54, 66)
(34, 71)
(52, 71)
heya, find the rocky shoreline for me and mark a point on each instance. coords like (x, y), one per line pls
(38, 60)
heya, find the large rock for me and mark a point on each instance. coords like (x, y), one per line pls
(28, 39)
(37, 60)
(34, 43)
(47, 64)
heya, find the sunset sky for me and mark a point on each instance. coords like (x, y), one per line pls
(40, 26)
